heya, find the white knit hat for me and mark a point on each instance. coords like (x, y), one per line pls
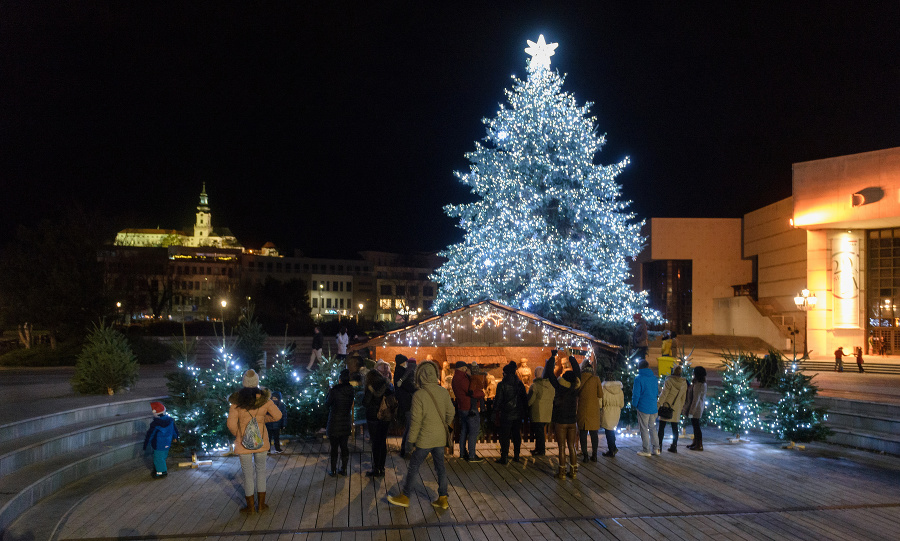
(251, 379)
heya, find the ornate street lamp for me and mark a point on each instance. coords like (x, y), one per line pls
(805, 302)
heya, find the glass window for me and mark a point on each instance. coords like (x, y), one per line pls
(427, 291)
(349, 286)
(385, 290)
(342, 303)
(335, 286)
(401, 290)
(315, 285)
(315, 302)
(328, 302)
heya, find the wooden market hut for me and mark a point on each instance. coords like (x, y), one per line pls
(487, 333)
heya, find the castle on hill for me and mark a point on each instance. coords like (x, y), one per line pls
(203, 233)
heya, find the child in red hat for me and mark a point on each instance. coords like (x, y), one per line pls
(160, 435)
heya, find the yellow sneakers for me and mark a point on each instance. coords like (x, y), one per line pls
(400, 499)
(441, 503)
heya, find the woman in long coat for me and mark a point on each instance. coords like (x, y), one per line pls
(247, 404)
(540, 400)
(693, 406)
(613, 401)
(589, 410)
(377, 388)
(340, 421)
(673, 393)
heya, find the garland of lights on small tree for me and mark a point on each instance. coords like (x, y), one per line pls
(550, 233)
(795, 417)
(198, 400)
(735, 408)
(198, 397)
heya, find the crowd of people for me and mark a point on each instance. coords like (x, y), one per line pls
(569, 399)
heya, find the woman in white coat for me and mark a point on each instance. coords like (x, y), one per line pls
(610, 408)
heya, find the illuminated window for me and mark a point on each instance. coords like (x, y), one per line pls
(385, 304)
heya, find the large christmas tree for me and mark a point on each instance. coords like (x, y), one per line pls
(550, 233)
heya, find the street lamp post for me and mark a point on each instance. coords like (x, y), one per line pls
(805, 301)
(321, 289)
(224, 304)
(357, 313)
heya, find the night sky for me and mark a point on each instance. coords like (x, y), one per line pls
(337, 128)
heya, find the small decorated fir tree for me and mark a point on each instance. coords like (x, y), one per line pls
(626, 371)
(795, 417)
(735, 408)
(198, 400)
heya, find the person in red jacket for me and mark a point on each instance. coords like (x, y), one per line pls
(467, 400)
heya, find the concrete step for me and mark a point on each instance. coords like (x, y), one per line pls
(880, 442)
(48, 444)
(862, 423)
(27, 427)
(22, 489)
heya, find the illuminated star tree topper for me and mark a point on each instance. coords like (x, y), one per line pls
(549, 233)
(540, 53)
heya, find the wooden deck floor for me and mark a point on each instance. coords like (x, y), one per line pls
(743, 491)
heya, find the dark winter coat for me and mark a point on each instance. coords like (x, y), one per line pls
(407, 388)
(340, 410)
(374, 396)
(510, 401)
(161, 433)
(281, 423)
(318, 340)
(565, 401)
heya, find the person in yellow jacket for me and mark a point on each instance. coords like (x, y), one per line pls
(588, 412)
(540, 403)
(612, 403)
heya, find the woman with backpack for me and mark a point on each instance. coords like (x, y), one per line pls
(251, 407)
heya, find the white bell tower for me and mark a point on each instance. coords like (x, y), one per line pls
(203, 225)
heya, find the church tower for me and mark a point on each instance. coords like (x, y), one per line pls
(203, 226)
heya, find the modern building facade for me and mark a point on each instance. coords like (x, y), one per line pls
(835, 240)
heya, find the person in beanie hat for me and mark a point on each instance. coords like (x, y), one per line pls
(275, 427)
(510, 404)
(340, 421)
(159, 437)
(248, 404)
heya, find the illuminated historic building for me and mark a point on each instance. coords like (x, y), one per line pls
(203, 233)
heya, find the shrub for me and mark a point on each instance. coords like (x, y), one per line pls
(65, 354)
(106, 364)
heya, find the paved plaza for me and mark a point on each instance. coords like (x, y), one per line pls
(752, 490)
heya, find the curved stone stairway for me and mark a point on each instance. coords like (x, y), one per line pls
(39, 456)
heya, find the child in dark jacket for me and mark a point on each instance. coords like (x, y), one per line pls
(159, 437)
(274, 428)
